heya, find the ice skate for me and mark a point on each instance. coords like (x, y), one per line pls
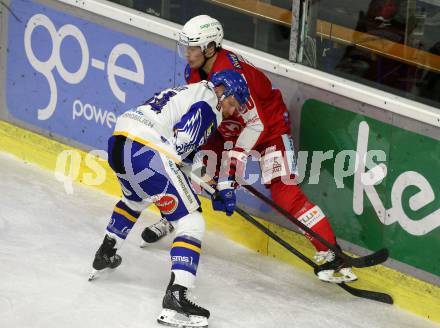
(179, 311)
(155, 232)
(105, 257)
(332, 268)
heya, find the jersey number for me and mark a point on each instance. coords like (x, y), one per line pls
(158, 101)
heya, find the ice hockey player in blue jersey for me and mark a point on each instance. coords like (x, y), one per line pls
(145, 151)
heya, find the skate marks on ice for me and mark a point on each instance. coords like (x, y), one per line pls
(47, 245)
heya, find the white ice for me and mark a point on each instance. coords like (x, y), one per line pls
(47, 243)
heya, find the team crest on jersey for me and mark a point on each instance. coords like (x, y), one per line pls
(193, 124)
(230, 128)
(234, 60)
(194, 127)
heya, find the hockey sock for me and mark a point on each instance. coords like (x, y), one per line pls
(122, 220)
(185, 254)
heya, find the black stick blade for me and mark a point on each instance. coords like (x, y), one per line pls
(369, 260)
(367, 294)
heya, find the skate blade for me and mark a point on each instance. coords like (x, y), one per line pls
(95, 274)
(144, 244)
(174, 319)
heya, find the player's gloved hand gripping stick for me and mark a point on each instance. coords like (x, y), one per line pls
(224, 198)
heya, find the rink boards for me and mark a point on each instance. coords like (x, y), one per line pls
(409, 293)
(68, 80)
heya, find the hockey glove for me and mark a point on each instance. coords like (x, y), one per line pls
(224, 198)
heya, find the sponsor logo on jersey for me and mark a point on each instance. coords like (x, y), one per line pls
(180, 88)
(181, 184)
(138, 116)
(121, 233)
(182, 149)
(277, 167)
(253, 120)
(272, 165)
(167, 204)
(234, 60)
(185, 259)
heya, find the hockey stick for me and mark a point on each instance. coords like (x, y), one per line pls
(375, 258)
(368, 294)
(372, 295)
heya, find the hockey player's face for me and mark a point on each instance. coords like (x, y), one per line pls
(229, 105)
(194, 57)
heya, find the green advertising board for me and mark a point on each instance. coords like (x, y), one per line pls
(380, 184)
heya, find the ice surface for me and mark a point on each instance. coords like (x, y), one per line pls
(48, 239)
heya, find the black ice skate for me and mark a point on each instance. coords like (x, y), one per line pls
(179, 310)
(156, 231)
(333, 268)
(105, 257)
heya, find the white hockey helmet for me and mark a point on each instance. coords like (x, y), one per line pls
(200, 31)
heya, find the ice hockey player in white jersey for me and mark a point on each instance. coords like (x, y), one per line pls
(145, 151)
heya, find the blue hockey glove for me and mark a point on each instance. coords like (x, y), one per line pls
(224, 198)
